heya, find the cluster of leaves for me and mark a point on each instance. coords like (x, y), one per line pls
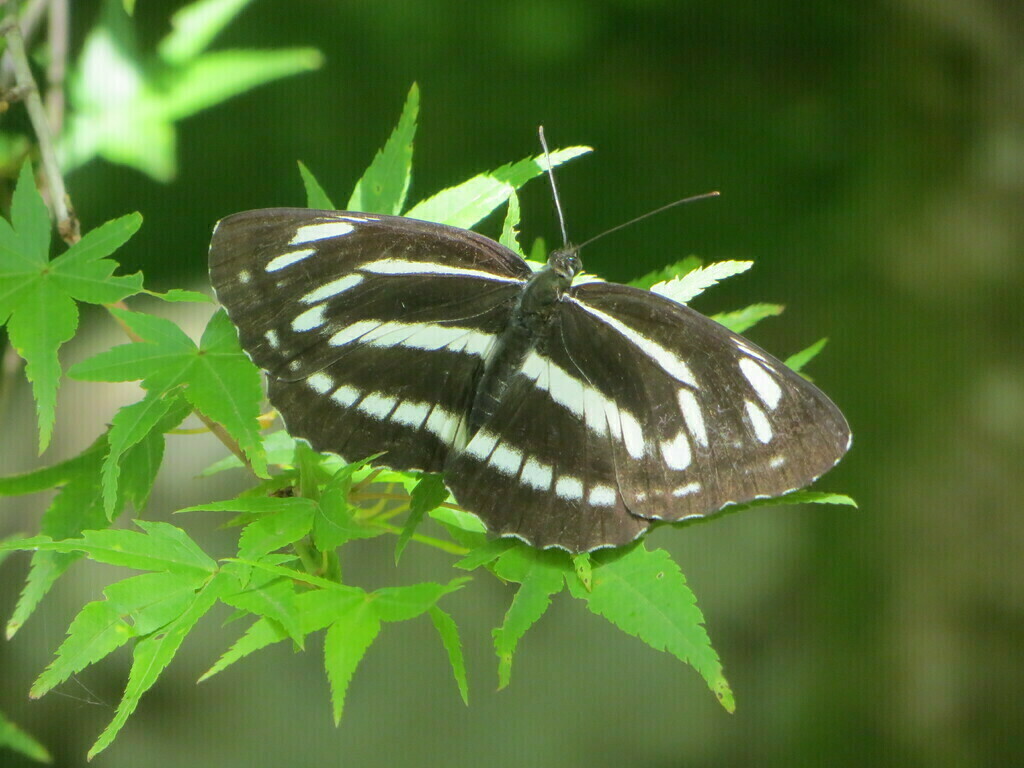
(303, 506)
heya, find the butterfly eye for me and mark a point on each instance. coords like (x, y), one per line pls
(565, 263)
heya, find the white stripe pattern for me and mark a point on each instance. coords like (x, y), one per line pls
(506, 460)
(405, 267)
(345, 395)
(600, 414)
(760, 423)
(332, 289)
(745, 348)
(692, 415)
(764, 383)
(536, 475)
(426, 336)
(320, 383)
(569, 487)
(482, 444)
(320, 231)
(287, 259)
(676, 452)
(309, 320)
(662, 357)
(602, 496)
(686, 490)
(378, 405)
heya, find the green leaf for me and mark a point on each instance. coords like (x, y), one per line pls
(179, 295)
(162, 547)
(466, 204)
(449, 632)
(403, 603)
(14, 738)
(538, 253)
(347, 641)
(584, 571)
(680, 268)
(216, 377)
(129, 426)
(154, 652)
(485, 554)
(645, 595)
(509, 232)
(37, 296)
(271, 532)
(154, 600)
(195, 26)
(334, 523)
(77, 506)
(540, 575)
(133, 123)
(274, 601)
(743, 319)
(687, 287)
(797, 361)
(315, 609)
(316, 198)
(428, 494)
(95, 632)
(384, 186)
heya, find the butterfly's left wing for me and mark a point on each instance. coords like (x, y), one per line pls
(633, 408)
(372, 329)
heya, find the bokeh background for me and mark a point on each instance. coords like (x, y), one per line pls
(871, 161)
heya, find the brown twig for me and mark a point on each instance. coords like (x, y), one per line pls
(67, 222)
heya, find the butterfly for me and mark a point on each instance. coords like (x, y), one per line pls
(562, 410)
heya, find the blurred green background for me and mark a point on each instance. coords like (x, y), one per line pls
(871, 161)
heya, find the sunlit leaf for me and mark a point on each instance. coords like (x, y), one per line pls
(384, 186)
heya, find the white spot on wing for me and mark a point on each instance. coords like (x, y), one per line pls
(272, 340)
(692, 415)
(405, 267)
(777, 461)
(632, 435)
(602, 496)
(345, 395)
(411, 414)
(746, 349)
(320, 231)
(320, 383)
(536, 475)
(333, 288)
(662, 357)
(378, 405)
(762, 428)
(506, 460)
(676, 452)
(309, 320)
(763, 383)
(482, 444)
(686, 490)
(443, 424)
(287, 259)
(569, 487)
(244, 276)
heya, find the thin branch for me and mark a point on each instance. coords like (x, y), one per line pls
(31, 15)
(58, 30)
(67, 222)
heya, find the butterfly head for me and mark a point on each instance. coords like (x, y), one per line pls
(565, 262)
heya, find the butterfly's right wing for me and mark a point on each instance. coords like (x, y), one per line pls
(373, 330)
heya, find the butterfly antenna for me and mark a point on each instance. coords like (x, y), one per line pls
(554, 187)
(691, 199)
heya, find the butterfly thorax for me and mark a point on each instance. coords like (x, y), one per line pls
(533, 312)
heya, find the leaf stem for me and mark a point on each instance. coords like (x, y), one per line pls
(444, 546)
(67, 222)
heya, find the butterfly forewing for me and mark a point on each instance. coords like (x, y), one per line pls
(372, 329)
(622, 407)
